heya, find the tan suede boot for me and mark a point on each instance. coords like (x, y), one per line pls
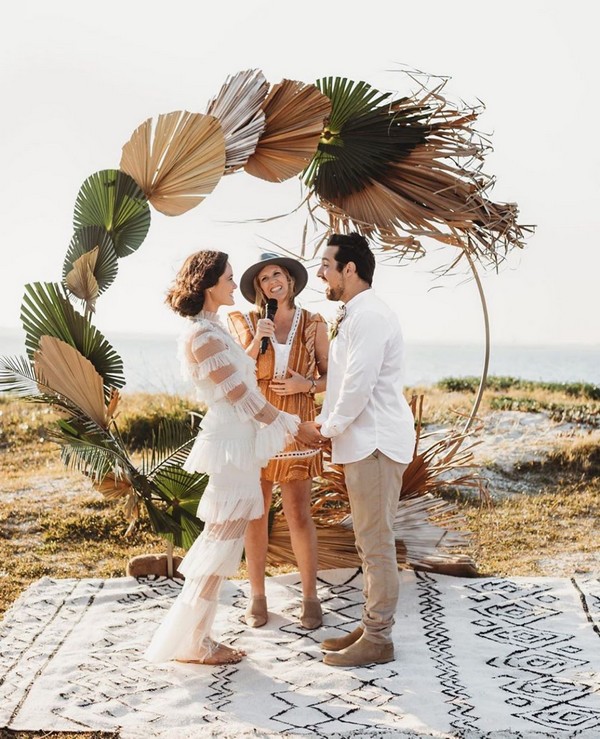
(312, 614)
(256, 612)
(362, 652)
(335, 645)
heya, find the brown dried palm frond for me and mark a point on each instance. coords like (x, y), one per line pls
(81, 281)
(426, 529)
(113, 487)
(335, 545)
(238, 108)
(396, 168)
(70, 374)
(429, 470)
(294, 112)
(180, 164)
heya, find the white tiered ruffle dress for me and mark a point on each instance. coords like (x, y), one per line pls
(240, 432)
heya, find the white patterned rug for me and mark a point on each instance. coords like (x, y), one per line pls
(486, 657)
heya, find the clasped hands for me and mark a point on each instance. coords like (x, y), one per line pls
(309, 435)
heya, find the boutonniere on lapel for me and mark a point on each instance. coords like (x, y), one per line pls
(335, 326)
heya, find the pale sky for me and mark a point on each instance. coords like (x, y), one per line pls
(77, 78)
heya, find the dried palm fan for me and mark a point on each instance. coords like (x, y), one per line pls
(181, 164)
(91, 265)
(294, 112)
(81, 280)
(238, 108)
(427, 528)
(396, 167)
(70, 374)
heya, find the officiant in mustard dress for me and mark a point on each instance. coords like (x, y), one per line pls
(291, 370)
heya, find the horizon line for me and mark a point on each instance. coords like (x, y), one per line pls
(420, 342)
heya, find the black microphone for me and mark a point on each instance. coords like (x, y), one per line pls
(270, 314)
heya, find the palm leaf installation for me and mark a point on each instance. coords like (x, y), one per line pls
(384, 166)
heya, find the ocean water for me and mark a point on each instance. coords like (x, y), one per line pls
(151, 365)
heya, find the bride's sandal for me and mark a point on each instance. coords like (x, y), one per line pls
(224, 655)
(256, 613)
(312, 614)
(220, 654)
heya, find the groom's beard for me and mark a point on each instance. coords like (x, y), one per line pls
(333, 293)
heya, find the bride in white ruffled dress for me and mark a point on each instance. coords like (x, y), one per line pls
(239, 433)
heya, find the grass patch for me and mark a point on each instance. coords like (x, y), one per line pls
(495, 383)
(515, 536)
(66, 536)
(581, 458)
(140, 415)
(452, 397)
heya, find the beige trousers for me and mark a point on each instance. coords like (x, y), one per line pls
(374, 486)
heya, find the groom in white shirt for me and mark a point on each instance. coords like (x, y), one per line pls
(371, 428)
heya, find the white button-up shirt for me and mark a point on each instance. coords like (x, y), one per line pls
(365, 408)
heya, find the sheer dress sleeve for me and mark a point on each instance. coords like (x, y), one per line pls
(213, 360)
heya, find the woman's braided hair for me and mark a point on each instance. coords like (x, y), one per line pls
(199, 272)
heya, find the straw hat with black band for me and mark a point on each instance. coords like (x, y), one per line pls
(293, 266)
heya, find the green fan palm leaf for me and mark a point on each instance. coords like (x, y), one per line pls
(46, 311)
(83, 455)
(349, 98)
(171, 497)
(90, 449)
(162, 523)
(114, 201)
(364, 133)
(169, 446)
(85, 240)
(18, 377)
(184, 487)
(183, 491)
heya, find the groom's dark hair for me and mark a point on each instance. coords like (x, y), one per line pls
(354, 248)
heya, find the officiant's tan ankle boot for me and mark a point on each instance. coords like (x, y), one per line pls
(362, 652)
(312, 614)
(256, 613)
(334, 645)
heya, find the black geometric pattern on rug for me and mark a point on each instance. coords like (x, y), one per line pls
(57, 618)
(114, 686)
(530, 673)
(442, 654)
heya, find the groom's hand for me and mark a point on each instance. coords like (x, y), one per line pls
(308, 434)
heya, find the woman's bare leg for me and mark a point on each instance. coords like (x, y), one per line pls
(303, 533)
(256, 542)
